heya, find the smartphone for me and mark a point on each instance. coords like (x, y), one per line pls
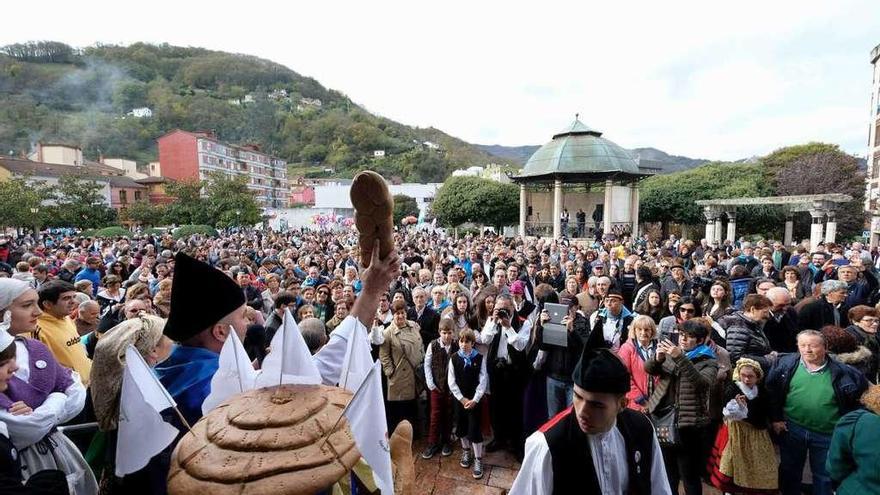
(673, 337)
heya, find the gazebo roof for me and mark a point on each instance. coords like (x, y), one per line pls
(579, 154)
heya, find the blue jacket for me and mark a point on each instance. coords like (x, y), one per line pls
(90, 274)
(849, 384)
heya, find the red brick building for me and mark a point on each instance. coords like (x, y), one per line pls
(187, 155)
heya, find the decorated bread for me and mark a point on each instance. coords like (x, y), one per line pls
(268, 441)
(373, 206)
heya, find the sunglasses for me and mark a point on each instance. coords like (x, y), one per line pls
(687, 310)
(323, 292)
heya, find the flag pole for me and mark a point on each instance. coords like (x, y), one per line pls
(345, 409)
(233, 335)
(164, 391)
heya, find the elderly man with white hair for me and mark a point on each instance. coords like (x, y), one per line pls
(829, 309)
(782, 326)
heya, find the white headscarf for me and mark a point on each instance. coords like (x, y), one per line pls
(10, 289)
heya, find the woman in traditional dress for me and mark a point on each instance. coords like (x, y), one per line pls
(145, 334)
(743, 459)
(41, 395)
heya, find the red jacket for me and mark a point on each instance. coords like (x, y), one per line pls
(639, 390)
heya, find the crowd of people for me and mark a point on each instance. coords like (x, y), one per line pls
(749, 359)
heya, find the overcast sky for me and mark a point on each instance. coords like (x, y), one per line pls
(702, 79)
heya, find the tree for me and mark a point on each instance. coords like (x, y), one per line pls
(404, 206)
(188, 206)
(79, 203)
(21, 197)
(824, 172)
(230, 203)
(476, 200)
(143, 213)
(671, 197)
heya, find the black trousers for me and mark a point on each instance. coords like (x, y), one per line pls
(398, 410)
(506, 406)
(686, 463)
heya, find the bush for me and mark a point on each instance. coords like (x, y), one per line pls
(188, 230)
(154, 232)
(114, 231)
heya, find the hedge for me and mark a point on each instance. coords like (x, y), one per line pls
(188, 230)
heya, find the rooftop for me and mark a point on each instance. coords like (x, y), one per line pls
(579, 153)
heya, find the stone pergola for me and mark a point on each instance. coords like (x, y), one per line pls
(579, 170)
(822, 208)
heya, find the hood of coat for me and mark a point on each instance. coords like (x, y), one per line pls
(855, 358)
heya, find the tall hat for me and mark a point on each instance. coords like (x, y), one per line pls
(598, 369)
(200, 297)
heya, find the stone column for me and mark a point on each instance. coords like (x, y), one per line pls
(816, 228)
(731, 225)
(830, 227)
(634, 208)
(719, 228)
(557, 208)
(709, 213)
(606, 219)
(789, 231)
(523, 209)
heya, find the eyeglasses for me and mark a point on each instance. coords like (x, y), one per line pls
(687, 310)
(870, 321)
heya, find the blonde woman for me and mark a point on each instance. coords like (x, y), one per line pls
(635, 352)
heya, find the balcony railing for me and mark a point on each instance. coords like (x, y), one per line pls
(573, 230)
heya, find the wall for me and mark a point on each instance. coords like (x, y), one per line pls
(337, 197)
(178, 156)
(62, 155)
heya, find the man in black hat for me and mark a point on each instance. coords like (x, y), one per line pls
(598, 445)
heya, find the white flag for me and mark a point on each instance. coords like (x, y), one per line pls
(142, 432)
(366, 415)
(289, 360)
(234, 375)
(357, 361)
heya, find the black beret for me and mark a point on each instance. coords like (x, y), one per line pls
(599, 370)
(200, 297)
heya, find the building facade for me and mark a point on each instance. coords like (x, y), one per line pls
(195, 155)
(872, 192)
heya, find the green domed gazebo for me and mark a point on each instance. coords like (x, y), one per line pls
(579, 159)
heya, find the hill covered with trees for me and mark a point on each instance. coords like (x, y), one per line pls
(52, 92)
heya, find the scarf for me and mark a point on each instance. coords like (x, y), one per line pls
(749, 392)
(468, 358)
(700, 350)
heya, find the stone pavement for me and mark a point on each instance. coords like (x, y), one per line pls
(443, 475)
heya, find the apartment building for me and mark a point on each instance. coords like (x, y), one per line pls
(185, 155)
(872, 191)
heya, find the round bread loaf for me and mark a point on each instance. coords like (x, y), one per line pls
(373, 206)
(267, 441)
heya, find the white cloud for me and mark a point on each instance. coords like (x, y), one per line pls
(694, 78)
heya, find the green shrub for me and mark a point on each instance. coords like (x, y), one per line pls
(188, 230)
(114, 231)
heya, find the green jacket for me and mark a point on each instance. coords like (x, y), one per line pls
(853, 456)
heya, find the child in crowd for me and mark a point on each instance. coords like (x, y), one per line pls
(468, 380)
(437, 356)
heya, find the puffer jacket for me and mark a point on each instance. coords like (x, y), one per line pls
(401, 355)
(745, 338)
(685, 384)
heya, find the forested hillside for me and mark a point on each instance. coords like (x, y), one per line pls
(51, 92)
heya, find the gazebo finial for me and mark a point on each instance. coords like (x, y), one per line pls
(577, 116)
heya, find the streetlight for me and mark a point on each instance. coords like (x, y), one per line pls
(34, 212)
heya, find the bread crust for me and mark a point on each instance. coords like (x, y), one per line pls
(373, 206)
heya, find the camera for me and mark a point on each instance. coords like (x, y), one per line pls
(503, 314)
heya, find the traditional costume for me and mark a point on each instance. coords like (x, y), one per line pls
(561, 458)
(55, 394)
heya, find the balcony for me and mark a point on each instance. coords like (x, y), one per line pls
(545, 229)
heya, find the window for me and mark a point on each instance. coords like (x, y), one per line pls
(137, 195)
(123, 196)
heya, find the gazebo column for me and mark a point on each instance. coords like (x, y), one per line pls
(634, 208)
(731, 225)
(557, 208)
(719, 229)
(606, 218)
(709, 213)
(788, 238)
(831, 227)
(523, 210)
(817, 213)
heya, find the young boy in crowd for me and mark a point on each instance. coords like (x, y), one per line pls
(468, 380)
(437, 356)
